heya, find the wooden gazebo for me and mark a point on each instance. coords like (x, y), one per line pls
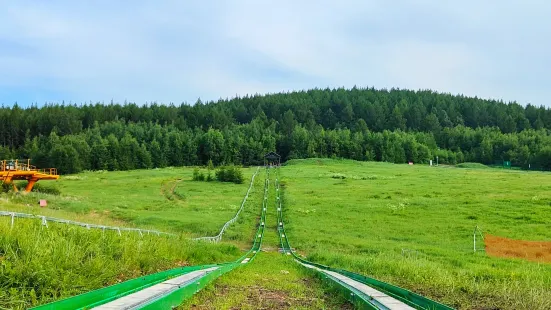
(272, 159)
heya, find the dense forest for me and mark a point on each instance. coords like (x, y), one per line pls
(359, 123)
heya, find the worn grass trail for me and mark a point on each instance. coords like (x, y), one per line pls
(271, 281)
(165, 199)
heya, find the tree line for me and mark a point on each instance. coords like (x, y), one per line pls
(360, 123)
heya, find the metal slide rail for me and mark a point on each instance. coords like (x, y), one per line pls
(101, 298)
(218, 237)
(335, 277)
(46, 219)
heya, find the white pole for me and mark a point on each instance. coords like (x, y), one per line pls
(474, 240)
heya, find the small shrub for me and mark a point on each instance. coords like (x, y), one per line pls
(46, 189)
(198, 175)
(230, 174)
(6, 187)
(201, 177)
(210, 178)
(221, 174)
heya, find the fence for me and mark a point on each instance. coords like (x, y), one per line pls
(475, 231)
(218, 237)
(46, 219)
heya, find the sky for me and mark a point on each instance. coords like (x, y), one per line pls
(177, 51)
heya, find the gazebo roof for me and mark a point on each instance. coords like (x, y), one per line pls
(272, 155)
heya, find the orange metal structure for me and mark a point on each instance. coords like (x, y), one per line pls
(13, 170)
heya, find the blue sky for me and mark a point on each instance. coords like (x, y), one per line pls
(177, 51)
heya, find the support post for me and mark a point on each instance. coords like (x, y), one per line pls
(30, 185)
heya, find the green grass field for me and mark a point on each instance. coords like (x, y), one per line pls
(39, 264)
(408, 225)
(413, 226)
(165, 199)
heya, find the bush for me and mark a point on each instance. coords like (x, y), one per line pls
(46, 189)
(198, 175)
(6, 187)
(230, 174)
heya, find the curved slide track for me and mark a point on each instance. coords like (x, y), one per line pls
(364, 292)
(162, 290)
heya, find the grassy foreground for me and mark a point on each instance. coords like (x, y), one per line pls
(40, 264)
(272, 281)
(412, 226)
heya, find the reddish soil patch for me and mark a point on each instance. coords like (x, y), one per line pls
(538, 251)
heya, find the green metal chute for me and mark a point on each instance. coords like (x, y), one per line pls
(107, 294)
(358, 299)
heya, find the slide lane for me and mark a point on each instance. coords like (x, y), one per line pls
(362, 291)
(162, 290)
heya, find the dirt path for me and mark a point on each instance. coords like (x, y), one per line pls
(168, 189)
(538, 251)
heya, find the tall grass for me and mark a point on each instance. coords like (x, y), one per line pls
(40, 264)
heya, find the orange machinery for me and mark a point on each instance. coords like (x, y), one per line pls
(13, 170)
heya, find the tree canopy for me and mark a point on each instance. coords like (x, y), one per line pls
(360, 123)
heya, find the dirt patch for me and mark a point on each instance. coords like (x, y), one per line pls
(537, 251)
(269, 249)
(261, 298)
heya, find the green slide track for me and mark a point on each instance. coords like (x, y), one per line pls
(162, 290)
(168, 289)
(364, 292)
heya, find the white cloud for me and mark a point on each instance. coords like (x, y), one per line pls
(173, 51)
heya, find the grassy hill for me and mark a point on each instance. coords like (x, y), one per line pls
(413, 226)
(408, 225)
